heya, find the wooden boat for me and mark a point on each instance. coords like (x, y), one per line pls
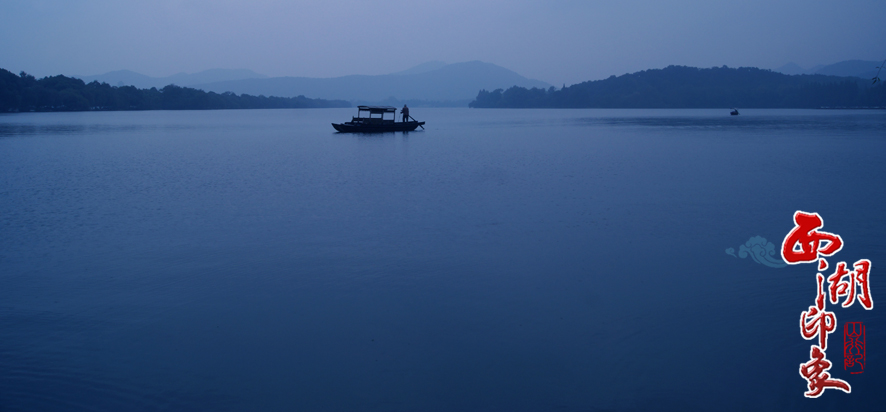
(372, 124)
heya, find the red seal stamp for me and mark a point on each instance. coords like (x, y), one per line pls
(854, 345)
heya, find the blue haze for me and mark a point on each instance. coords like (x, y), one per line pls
(518, 260)
(559, 42)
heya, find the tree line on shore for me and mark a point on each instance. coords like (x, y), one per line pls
(690, 87)
(25, 93)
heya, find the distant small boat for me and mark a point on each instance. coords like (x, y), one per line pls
(370, 124)
(734, 112)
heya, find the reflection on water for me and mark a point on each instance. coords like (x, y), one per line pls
(500, 259)
(835, 121)
(28, 129)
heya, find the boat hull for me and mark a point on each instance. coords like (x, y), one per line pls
(381, 128)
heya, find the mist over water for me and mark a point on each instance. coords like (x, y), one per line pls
(499, 260)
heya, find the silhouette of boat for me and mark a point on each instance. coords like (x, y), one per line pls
(372, 124)
(734, 112)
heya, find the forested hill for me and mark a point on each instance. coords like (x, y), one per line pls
(23, 93)
(690, 87)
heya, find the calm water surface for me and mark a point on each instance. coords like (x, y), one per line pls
(501, 260)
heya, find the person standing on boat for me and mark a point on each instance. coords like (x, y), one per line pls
(405, 111)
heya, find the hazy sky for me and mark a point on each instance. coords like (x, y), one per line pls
(554, 41)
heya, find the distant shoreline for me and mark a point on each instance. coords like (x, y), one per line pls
(853, 108)
(674, 87)
(681, 87)
(25, 93)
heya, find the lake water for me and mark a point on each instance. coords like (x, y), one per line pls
(501, 260)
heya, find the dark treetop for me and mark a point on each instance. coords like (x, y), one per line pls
(59, 93)
(690, 87)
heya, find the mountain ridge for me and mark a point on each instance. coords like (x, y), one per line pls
(865, 69)
(450, 82)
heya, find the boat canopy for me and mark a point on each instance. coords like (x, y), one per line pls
(376, 122)
(377, 109)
